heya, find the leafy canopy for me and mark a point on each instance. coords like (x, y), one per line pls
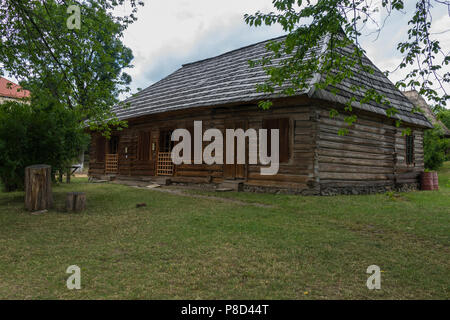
(444, 116)
(435, 146)
(81, 69)
(343, 21)
(33, 134)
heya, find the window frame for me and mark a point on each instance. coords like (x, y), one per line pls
(409, 150)
(285, 136)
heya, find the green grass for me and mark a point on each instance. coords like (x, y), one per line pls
(183, 247)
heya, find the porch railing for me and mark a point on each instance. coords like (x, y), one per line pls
(112, 163)
(165, 164)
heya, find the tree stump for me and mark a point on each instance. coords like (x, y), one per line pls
(38, 187)
(75, 201)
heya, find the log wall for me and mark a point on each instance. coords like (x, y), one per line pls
(370, 158)
(297, 173)
(408, 173)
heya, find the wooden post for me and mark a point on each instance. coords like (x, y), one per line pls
(38, 187)
(75, 201)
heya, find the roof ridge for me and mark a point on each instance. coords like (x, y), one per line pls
(317, 76)
(231, 51)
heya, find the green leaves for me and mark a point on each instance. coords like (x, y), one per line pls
(435, 147)
(423, 56)
(444, 116)
(265, 104)
(308, 23)
(38, 133)
(81, 69)
(73, 75)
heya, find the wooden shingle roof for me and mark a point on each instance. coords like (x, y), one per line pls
(420, 102)
(228, 78)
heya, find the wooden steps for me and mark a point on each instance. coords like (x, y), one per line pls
(231, 185)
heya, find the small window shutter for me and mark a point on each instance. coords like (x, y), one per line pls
(191, 131)
(100, 149)
(284, 139)
(283, 126)
(410, 149)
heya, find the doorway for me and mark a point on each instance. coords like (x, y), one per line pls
(165, 165)
(112, 157)
(234, 171)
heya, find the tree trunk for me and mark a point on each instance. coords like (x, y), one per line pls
(76, 201)
(38, 187)
(68, 175)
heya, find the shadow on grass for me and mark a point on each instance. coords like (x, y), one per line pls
(12, 199)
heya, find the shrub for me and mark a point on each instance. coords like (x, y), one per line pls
(435, 147)
(444, 116)
(36, 134)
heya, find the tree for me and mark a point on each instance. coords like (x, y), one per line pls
(444, 116)
(75, 73)
(343, 21)
(37, 134)
(81, 69)
(435, 147)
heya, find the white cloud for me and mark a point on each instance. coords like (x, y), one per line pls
(170, 33)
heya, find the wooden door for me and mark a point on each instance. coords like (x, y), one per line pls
(165, 166)
(234, 171)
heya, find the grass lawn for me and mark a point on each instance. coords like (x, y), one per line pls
(191, 247)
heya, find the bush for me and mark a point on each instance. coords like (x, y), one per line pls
(435, 147)
(444, 116)
(36, 134)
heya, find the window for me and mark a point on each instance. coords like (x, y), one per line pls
(100, 146)
(283, 126)
(143, 150)
(410, 149)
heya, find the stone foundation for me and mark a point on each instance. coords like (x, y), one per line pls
(275, 190)
(407, 187)
(313, 191)
(361, 190)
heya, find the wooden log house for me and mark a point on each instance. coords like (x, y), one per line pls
(373, 157)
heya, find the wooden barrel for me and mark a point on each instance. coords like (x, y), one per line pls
(427, 181)
(435, 181)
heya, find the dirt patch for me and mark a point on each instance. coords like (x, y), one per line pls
(180, 192)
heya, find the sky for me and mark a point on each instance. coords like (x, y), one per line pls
(168, 34)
